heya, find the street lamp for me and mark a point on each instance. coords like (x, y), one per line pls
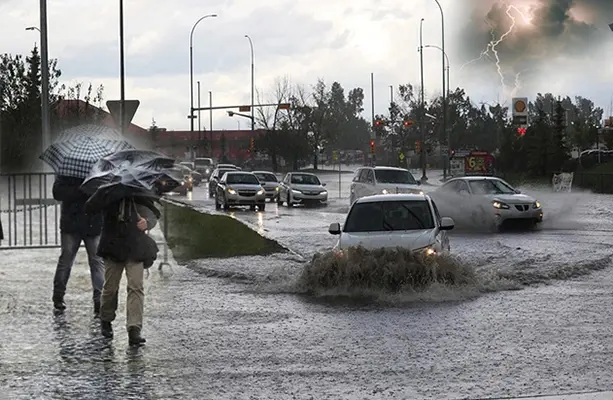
(422, 153)
(252, 84)
(443, 71)
(446, 133)
(32, 28)
(191, 69)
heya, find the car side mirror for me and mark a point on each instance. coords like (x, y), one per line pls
(335, 228)
(517, 191)
(447, 224)
(324, 184)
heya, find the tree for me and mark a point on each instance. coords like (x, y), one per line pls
(558, 152)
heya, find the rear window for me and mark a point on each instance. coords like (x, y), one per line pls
(389, 216)
(248, 179)
(203, 162)
(267, 177)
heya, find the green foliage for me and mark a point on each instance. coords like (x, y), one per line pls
(195, 235)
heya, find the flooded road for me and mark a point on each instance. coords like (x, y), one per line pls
(242, 329)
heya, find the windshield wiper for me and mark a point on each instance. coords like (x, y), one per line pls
(419, 221)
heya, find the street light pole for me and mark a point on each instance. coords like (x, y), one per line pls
(252, 84)
(422, 153)
(445, 97)
(122, 72)
(199, 124)
(191, 69)
(44, 66)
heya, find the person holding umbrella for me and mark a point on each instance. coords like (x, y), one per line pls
(124, 187)
(72, 157)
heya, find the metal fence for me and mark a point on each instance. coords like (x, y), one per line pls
(30, 217)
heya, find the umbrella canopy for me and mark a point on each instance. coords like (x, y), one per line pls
(77, 150)
(145, 159)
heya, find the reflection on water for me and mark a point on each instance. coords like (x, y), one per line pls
(261, 229)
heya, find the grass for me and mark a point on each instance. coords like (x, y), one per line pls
(194, 235)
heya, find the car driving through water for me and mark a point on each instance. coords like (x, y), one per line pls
(488, 201)
(237, 188)
(302, 188)
(269, 182)
(409, 221)
(204, 166)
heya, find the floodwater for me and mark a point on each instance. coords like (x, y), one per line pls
(535, 320)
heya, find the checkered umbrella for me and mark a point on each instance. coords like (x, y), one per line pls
(76, 150)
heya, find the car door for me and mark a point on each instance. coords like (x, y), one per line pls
(442, 237)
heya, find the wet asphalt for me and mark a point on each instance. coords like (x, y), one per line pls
(539, 322)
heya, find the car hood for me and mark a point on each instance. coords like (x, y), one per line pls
(400, 188)
(411, 240)
(270, 185)
(308, 188)
(512, 198)
(244, 186)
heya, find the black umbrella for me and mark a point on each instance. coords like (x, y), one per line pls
(146, 159)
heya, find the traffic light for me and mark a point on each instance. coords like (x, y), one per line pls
(372, 146)
(521, 131)
(451, 153)
(379, 123)
(407, 122)
(417, 146)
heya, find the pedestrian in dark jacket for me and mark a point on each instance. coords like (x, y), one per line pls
(125, 245)
(76, 226)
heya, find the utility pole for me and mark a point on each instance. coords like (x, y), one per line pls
(199, 123)
(373, 136)
(44, 66)
(211, 121)
(422, 150)
(122, 72)
(252, 84)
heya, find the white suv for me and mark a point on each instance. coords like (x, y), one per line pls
(369, 181)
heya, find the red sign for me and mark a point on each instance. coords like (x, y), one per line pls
(479, 163)
(244, 108)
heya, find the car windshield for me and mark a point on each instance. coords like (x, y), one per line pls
(403, 215)
(223, 171)
(490, 186)
(264, 177)
(395, 176)
(203, 162)
(248, 179)
(305, 179)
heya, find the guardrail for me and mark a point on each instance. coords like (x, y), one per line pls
(30, 217)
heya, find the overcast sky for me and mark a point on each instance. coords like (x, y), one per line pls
(556, 46)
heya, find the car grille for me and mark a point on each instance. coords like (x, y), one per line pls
(522, 207)
(311, 193)
(247, 193)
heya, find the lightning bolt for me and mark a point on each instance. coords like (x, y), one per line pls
(491, 49)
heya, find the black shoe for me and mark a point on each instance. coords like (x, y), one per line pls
(58, 305)
(106, 328)
(134, 337)
(96, 308)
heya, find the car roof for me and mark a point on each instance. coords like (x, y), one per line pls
(302, 173)
(239, 173)
(475, 178)
(393, 197)
(263, 172)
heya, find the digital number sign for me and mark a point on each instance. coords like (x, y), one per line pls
(479, 163)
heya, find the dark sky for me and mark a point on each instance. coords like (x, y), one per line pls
(558, 29)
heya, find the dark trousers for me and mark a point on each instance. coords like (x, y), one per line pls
(70, 246)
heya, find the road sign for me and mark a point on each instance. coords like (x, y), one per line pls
(283, 106)
(335, 155)
(520, 111)
(401, 156)
(244, 109)
(129, 109)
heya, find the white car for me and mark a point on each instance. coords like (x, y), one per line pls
(409, 221)
(302, 188)
(369, 181)
(487, 200)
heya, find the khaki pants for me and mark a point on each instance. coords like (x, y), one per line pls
(136, 294)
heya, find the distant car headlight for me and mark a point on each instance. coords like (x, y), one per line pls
(426, 251)
(536, 205)
(190, 179)
(277, 188)
(182, 183)
(208, 170)
(500, 205)
(261, 192)
(231, 191)
(384, 191)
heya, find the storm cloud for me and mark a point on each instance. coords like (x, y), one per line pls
(534, 33)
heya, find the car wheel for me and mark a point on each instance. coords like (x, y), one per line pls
(252, 208)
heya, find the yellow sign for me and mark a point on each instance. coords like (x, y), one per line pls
(401, 156)
(476, 164)
(335, 156)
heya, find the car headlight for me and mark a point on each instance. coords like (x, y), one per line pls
(500, 205)
(384, 191)
(261, 192)
(190, 179)
(208, 170)
(277, 188)
(323, 192)
(536, 205)
(294, 191)
(182, 183)
(427, 251)
(231, 191)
